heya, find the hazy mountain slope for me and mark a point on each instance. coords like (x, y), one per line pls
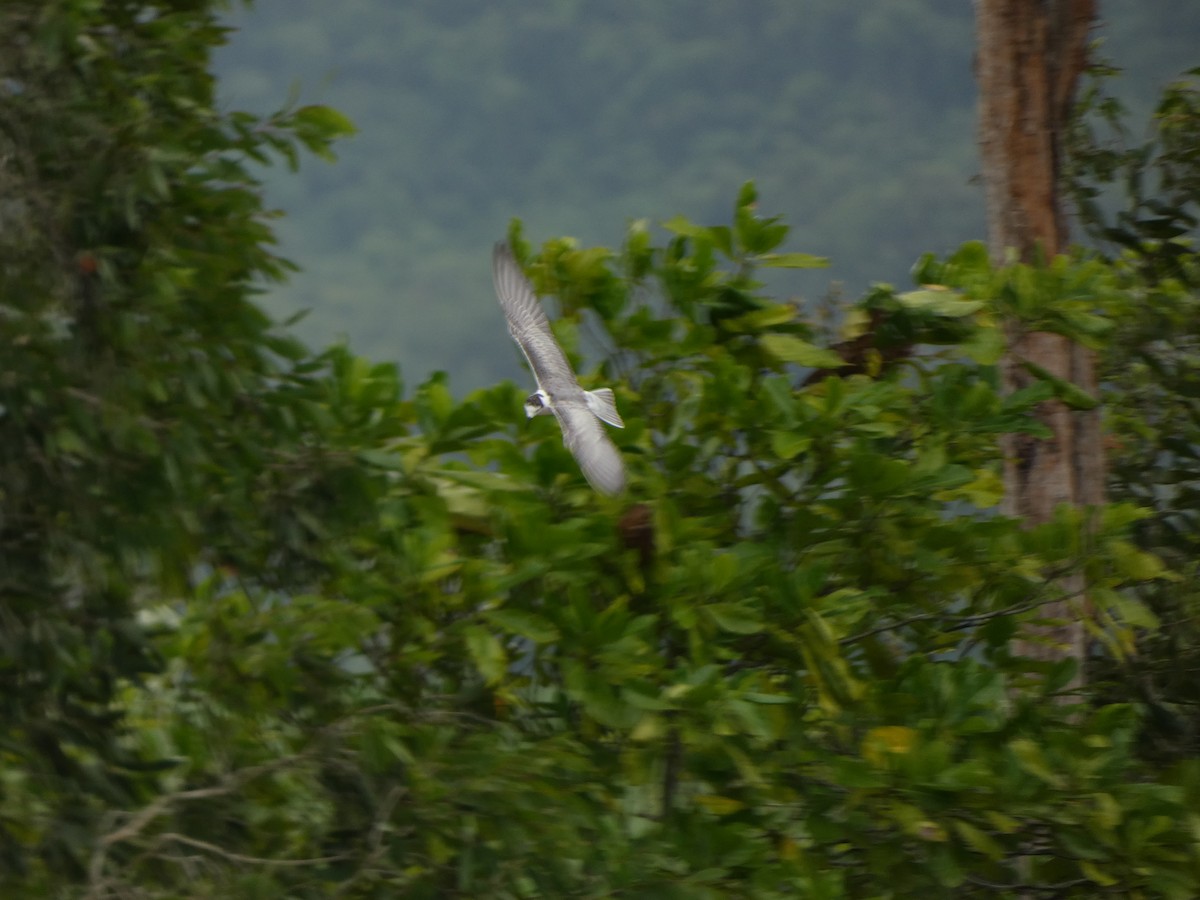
(856, 121)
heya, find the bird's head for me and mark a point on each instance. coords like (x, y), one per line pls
(537, 404)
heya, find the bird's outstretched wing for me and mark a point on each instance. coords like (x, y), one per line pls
(598, 457)
(528, 325)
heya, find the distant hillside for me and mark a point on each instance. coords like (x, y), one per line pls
(856, 121)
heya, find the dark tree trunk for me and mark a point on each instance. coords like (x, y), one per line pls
(1030, 56)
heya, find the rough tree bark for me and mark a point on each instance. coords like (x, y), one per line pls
(1030, 54)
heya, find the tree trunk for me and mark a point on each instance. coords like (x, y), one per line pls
(1030, 54)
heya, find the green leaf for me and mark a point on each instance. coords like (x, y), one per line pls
(1028, 397)
(971, 260)
(777, 390)
(1096, 875)
(734, 618)
(487, 653)
(779, 314)
(1070, 394)
(747, 195)
(383, 459)
(985, 345)
(1030, 758)
(685, 227)
(985, 490)
(490, 481)
(1135, 564)
(1127, 609)
(978, 840)
(719, 806)
(722, 238)
(68, 441)
(537, 628)
(599, 700)
(788, 444)
(326, 121)
(792, 261)
(946, 303)
(790, 349)
(1085, 324)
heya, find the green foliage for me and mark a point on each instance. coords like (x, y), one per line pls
(1156, 218)
(792, 676)
(274, 627)
(1151, 194)
(153, 423)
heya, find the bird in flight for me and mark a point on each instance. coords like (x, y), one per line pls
(559, 392)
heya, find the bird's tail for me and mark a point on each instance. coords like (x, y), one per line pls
(604, 406)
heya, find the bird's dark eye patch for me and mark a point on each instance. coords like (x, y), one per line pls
(534, 400)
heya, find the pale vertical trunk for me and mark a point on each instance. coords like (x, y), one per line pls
(1030, 54)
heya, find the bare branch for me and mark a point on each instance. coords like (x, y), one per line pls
(173, 836)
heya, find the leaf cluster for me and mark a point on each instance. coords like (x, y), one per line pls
(1143, 198)
(784, 668)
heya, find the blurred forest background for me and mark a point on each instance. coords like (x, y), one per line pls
(857, 122)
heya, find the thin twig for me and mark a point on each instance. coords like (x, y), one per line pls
(961, 622)
(241, 857)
